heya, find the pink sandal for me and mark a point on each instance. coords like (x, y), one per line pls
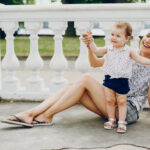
(110, 124)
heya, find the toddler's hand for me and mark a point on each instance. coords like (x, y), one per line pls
(87, 38)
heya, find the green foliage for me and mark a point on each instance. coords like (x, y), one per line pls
(135, 1)
(15, 2)
(81, 1)
(30, 2)
(11, 2)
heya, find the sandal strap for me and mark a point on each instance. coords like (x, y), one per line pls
(111, 122)
(122, 122)
(112, 119)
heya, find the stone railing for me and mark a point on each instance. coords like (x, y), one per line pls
(57, 16)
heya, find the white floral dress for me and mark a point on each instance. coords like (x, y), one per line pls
(139, 84)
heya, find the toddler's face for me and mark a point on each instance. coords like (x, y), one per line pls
(118, 37)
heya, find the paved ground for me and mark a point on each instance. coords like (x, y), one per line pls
(75, 128)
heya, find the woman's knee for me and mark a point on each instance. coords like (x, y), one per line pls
(84, 80)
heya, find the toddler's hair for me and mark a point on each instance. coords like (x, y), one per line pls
(127, 26)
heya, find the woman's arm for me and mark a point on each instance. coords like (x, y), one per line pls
(94, 60)
(139, 59)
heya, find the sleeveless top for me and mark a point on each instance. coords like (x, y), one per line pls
(139, 84)
(118, 63)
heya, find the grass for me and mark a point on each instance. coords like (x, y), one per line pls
(71, 46)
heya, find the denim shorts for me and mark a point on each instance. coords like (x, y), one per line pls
(132, 113)
(119, 85)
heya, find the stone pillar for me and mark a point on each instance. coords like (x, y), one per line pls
(34, 61)
(10, 62)
(107, 27)
(137, 27)
(82, 62)
(58, 62)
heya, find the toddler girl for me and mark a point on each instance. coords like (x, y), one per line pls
(117, 69)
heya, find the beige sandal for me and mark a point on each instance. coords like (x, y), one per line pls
(122, 128)
(110, 124)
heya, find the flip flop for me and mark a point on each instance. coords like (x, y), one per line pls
(39, 123)
(18, 121)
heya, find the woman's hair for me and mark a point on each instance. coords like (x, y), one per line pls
(126, 26)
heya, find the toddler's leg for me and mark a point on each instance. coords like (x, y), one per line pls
(121, 101)
(110, 99)
(110, 105)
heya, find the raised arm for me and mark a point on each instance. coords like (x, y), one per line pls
(139, 59)
(89, 41)
(97, 50)
(94, 60)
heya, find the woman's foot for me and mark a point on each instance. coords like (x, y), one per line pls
(24, 117)
(122, 128)
(42, 119)
(110, 124)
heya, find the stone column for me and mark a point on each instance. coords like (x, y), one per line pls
(82, 62)
(137, 27)
(107, 27)
(10, 62)
(34, 61)
(58, 62)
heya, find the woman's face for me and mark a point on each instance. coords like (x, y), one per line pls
(145, 44)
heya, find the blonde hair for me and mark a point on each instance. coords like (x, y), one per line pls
(126, 26)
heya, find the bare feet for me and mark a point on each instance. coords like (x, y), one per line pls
(43, 119)
(24, 117)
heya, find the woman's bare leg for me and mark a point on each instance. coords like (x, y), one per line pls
(88, 103)
(27, 116)
(85, 100)
(74, 95)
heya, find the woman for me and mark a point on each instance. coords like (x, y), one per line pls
(90, 93)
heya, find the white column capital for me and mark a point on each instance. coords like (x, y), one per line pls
(107, 26)
(82, 26)
(33, 27)
(9, 27)
(137, 26)
(58, 27)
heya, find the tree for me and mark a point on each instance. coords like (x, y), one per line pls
(16, 2)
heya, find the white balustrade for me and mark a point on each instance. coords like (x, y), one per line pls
(58, 62)
(10, 62)
(34, 61)
(137, 27)
(107, 27)
(82, 62)
(58, 15)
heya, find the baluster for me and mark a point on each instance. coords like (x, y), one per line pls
(34, 61)
(58, 62)
(82, 62)
(107, 27)
(10, 61)
(137, 27)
